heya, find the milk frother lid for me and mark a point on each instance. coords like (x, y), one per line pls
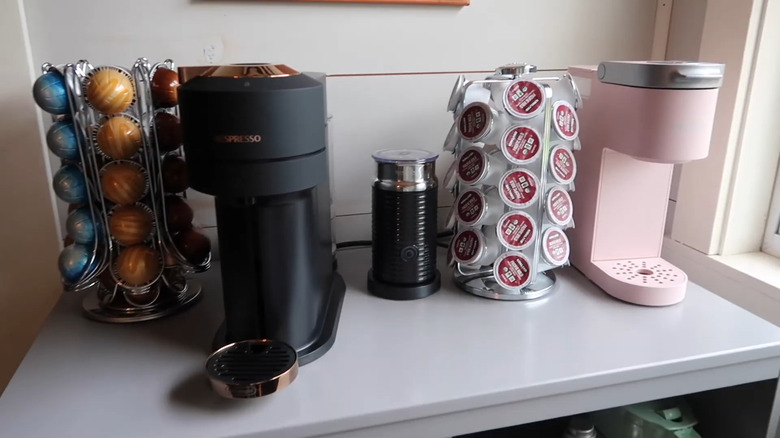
(404, 156)
(252, 368)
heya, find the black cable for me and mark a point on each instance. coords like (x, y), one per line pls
(353, 244)
(360, 243)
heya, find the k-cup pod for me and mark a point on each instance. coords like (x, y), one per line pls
(558, 206)
(475, 208)
(453, 137)
(457, 93)
(478, 122)
(523, 99)
(512, 270)
(563, 167)
(565, 120)
(472, 247)
(477, 167)
(450, 177)
(555, 246)
(519, 188)
(516, 230)
(521, 144)
(475, 93)
(451, 219)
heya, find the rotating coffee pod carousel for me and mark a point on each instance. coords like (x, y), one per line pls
(512, 138)
(116, 133)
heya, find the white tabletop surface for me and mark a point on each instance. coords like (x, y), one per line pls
(391, 362)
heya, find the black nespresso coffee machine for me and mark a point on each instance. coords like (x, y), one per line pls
(256, 138)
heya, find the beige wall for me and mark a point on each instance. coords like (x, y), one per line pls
(29, 282)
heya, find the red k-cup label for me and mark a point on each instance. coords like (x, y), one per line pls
(520, 144)
(465, 246)
(474, 121)
(565, 120)
(470, 206)
(555, 246)
(512, 270)
(559, 208)
(562, 164)
(523, 99)
(516, 230)
(519, 188)
(471, 165)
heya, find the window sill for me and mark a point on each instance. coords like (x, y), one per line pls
(750, 280)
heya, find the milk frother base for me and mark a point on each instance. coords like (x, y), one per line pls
(402, 293)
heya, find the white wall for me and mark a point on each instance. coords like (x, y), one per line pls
(343, 38)
(370, 112)
(29, 281)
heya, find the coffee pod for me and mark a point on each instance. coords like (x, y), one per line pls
(477, 167)
(523, 99)
(453, 137)
(143, 299)
(555, 246)
(450, 177)
(472, 247)
(475, 92)
(516, 230)
(457, 93)
(563, 167)
(565, 120)
(558, 206)
(131, 224)
(119, 137)
(124, 182)
(512, 271)
(474, 208)
(519, 188)
(138, 265)
(521, 144)
(478, 122)
(109, 90)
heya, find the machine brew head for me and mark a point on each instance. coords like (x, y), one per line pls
(241, 121)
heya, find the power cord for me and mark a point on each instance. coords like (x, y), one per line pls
(365, 243)
(353, 244)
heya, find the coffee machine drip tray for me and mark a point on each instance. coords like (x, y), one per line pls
(252, 369)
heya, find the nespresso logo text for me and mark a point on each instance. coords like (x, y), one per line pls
(238, 138)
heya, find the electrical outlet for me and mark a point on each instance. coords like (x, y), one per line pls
(212, 51)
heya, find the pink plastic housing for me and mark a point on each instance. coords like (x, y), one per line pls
(631, 137)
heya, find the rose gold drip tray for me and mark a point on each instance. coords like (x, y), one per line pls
(252, 369)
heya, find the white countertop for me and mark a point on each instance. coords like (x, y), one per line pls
(450, 363)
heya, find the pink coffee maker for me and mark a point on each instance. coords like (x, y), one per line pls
(637, 120)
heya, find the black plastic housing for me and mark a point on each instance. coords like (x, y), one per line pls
(259, 145)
